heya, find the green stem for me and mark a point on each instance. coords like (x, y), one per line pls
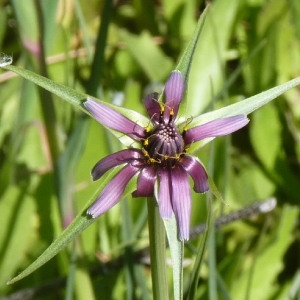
(157, 239)
(99, 57)
(46, 100)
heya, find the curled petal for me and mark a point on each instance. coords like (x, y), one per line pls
(146, 182)
(112, 192)
(181, 201)
(174, 89)
(197, 172)
(215, 128)
(111, 118)
(153, 108)
(115, 159)
(164, 194)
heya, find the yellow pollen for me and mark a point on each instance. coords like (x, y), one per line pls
(150, 160)
(187, 122)
(148, 128)
(146, 142)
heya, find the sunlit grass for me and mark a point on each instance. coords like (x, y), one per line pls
(43, 188)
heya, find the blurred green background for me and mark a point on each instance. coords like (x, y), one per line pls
(119, 51)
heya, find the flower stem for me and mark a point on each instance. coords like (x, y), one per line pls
(157, 239)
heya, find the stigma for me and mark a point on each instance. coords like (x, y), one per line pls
(164, 144)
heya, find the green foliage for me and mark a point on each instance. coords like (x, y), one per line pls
(48, 146)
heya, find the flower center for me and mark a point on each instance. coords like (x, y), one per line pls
(164, 145)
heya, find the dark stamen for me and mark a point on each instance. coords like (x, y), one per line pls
(164, 144)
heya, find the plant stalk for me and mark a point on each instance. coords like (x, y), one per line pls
(157, 240)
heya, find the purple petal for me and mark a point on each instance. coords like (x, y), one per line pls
(112, 192)
(181, 201)
(215, 128)
(115, 159)
(174, 89)
(197, 172)
(111, 118)
(153, 108)
(146, 182)
(164, 194)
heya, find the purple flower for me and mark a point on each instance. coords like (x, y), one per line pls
(161, 164)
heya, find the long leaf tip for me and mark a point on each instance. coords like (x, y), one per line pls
(12, 280)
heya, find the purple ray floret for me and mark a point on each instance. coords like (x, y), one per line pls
(115, 159)
(215, 128)
(112, 119)
(145, 182)
(165, 194)
(112, 192)
(161, 166)
(173, 94)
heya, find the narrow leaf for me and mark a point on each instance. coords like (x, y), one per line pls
(76, 98)
(77, 226)
(185, 61)
(194, 279)
(207, 71)
(245, 107)
(157, 244)
(67, 93)
(248, 105)
(153, 61)
(176, 248)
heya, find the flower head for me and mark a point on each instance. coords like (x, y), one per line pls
(161, 164)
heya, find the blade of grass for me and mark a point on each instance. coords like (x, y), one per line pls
(157, 240)
(185, 61)
(192, 291)
(176, 248)
(78, 225)
(71, 274)
(212, 267)
(77, 140)
(72, 96)
(46, 99)
(207, 71)
(128, 251)
(98, 61)
(83, 27)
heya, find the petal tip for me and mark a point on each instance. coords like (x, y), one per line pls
(91, 214)
(184, 238)
(174, 90)
(184, 235)
(87, 101)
